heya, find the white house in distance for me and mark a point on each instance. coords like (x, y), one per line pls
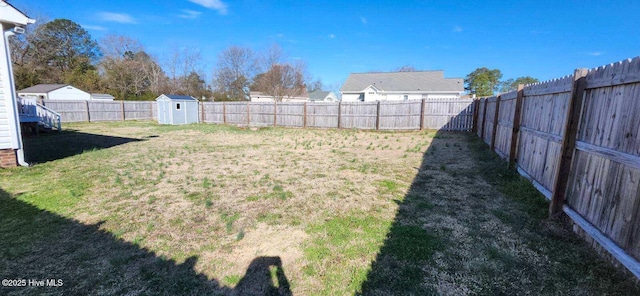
(257, 96)
(322, 96)
(399, 86)
(12, 21)
(55, 92)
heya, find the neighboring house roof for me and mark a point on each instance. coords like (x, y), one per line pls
(318, 95)
(42, 88)
(179, 97)
(102, 96)
(403, 81)
(262, 94)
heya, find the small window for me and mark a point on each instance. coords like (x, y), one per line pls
(372, 93)
(178, 106)
(406, 97)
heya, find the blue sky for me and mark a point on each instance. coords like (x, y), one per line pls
(543, 39)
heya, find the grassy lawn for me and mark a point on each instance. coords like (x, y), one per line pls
(142, 209)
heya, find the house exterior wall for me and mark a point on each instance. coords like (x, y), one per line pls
(382, 96)
(350, 97)
(8, 115)
(68, 93)
(8, 158)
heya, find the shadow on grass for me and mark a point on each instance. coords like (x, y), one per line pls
(469, 225)
(53, 146)
(84, 260)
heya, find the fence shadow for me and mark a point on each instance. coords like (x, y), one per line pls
(66, 257)
(53, 146)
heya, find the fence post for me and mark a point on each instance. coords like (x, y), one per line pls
(339, 114)
(496, 118)
(423, 105)
(201, 105)
(476, 110)
(568, 142)
(224, 113)
(304, 119)
(248, 115)
(484, 117)
(122, 108)
(275, 113)
(515, 130)
(378, 116)
(86, 104)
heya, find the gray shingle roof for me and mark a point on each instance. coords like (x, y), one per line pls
(180, 97)
(42, 88)
(403, 81)
(318, 95)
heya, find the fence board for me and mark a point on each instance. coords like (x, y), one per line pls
(262, 114)
(290, 114)
(360, 115)
(400, 115)
(489, 114)
(139, 110)
(504, 129)
(447, 114)
(70, 111)
(322, 115)
(105, 111)
(213, 112)
(236, 113)
(542, 120)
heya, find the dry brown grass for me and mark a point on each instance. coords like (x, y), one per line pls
(191, 208)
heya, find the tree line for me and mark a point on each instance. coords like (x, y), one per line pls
(484, 82)
(62, 52)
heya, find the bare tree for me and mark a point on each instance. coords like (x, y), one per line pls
(282, 81)
(234, 71)
(182, 62)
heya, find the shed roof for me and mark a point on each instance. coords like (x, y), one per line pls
(403, 81)
(178, 97)
(42, 88)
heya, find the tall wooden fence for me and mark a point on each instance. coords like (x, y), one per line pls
(76, 111)
(577, 139)
(456, 115)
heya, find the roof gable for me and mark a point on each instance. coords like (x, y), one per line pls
(403, 81)
(42, 88)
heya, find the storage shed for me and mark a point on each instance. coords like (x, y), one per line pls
(177, 109)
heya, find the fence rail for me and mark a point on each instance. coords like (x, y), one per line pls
(454, 115)
(577, 139)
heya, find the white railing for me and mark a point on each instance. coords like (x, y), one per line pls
(30, 111)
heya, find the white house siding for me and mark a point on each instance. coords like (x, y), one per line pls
(350, 97)
(5, 106)
(5, 128)
(69, 93)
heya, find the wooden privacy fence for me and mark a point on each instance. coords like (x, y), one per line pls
(76, 111)
(576, 138)
(454, 115)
